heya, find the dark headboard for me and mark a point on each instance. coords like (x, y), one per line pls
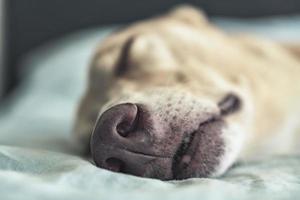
(30, 23)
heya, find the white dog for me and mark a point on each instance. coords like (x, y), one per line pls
(174, 97)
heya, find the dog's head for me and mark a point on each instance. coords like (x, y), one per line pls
(166, 117)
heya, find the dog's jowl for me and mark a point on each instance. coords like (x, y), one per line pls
(175, 97)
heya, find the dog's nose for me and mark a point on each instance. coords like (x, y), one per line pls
(118, 142)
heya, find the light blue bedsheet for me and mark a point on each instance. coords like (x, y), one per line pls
(36, 122)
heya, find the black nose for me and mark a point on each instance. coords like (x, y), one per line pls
(118, 141)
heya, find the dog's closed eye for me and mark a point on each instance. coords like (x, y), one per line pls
(124, 63)
(231, 103)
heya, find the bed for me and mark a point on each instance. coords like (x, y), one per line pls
(37, 160)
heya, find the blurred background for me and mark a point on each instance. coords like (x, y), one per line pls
(28, 24)
(45, 49)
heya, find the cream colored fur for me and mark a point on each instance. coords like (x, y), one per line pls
(183, 54)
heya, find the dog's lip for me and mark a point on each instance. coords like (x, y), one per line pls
(186, 151)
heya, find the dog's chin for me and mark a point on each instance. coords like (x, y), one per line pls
(200, 153)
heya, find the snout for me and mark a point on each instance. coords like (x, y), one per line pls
(121, 142)
(130, 139)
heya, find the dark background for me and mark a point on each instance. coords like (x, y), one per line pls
(30, 23)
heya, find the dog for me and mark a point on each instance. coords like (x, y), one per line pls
(174, 97)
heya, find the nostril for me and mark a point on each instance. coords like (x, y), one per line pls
(125, 127)
(118, 120)
(128, 122)
(115, 164)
